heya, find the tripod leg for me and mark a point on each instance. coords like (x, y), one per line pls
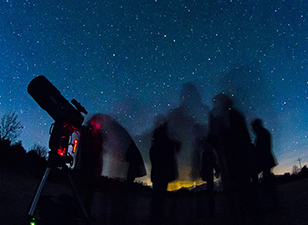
(38, 192)
(76, 194)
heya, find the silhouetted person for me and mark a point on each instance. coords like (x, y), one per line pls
(228, 134)
(254, 166)
(89, 162)
(181, 121)
(164, 168)
(208, 164)
(107, 149)
(265, 159)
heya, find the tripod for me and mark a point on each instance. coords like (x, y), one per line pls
(58, 137)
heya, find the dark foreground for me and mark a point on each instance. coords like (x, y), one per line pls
(17, 191)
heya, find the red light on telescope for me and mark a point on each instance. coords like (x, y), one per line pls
(75, 146)
(61, 152)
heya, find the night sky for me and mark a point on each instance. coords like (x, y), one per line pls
(130, 59)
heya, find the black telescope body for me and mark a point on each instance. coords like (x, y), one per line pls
(50, 99)
(68, 119)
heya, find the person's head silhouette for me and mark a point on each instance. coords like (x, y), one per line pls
(190, 94)
(256, 125)
(222, 101)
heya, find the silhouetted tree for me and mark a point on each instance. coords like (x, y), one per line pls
(10, 127)
(295, 170)
(4, 152)
(34, 163)
(304, 172)
(17, 155)
(42, 151)
(286, 174)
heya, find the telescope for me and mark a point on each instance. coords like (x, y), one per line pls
(68, 120)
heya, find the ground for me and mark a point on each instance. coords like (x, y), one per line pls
(17, 192)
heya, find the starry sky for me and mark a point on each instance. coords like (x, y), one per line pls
(131, 58)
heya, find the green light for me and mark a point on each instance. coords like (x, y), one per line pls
(32, 222)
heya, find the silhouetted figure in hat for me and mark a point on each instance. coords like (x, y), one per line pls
(107, 149)
(136, 165)
(164, 168)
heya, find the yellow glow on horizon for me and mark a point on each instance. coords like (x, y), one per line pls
(178, 184)
(173, 185)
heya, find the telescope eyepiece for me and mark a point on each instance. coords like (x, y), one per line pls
(79, 107)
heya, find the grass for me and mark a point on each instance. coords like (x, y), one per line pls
(18, 189)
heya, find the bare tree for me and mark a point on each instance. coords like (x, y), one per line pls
(295, 170)
(42, 151)
(10, 127)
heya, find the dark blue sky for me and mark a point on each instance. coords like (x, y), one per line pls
(130, 59)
